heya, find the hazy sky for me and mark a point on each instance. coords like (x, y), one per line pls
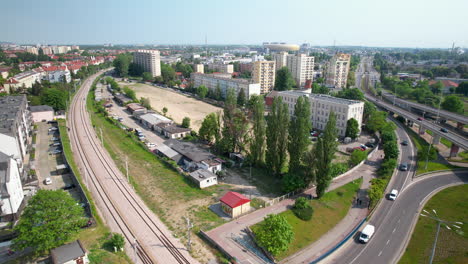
(390, 23)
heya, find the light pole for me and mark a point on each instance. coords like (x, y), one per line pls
(394, 96)
(448, 224)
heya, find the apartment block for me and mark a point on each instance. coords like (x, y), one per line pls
(338, 69)
(222, 68)
(211, 81)
(11, 189)
(321, 105)
(301, 66)
(22, 80)
(199, 68)
(150, 61)
(264, 73)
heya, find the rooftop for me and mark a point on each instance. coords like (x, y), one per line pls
(10, 109)
(234, 199)
(201, 175)
(322, 97)
(155, 118)
(176, 129)
(40, 108)
(68, 252)
(189, 150)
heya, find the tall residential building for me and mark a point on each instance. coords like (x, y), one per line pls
(321, 105)
(149, 60)
(200, 68)
(264, 73)
(281, 59)
(225, 82)
(338, 69)
(221, 67)
(301, 66)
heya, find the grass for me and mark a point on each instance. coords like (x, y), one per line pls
(262, 179)
(444, 141)
(452, 247)
(328, 211)
(464, 156)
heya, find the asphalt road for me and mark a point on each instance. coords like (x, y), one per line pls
(394, 226)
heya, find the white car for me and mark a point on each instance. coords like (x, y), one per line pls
(48, 181)
(393, 195)
(150, 145)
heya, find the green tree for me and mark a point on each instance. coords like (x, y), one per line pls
(462, 88)
(369, 109)
(202, 91)
(258, 132)
(351, 93)
(210, 128)
(164, 110)
(302, 209)
(377, 121)
(186, 122)
(147, 76)
(50, 219)
(324, 154)
(453, 103)
(55, 98)
(277, 136)
(299, 130)
(117, 241)
(136, 70)
(241, 99)
(426, 153)
(390, 149)
(352, 128)
(235, 125)
(217, 93)
(122, 64)
(130, 93)
(437, 87)
(145, 102)
(356, 157)
(284, 80)
(168, 73)
(274, 234)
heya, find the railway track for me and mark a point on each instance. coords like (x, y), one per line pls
(80, 119)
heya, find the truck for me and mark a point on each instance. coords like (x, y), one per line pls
(367, 233)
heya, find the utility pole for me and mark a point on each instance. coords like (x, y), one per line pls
(102, 139)
(126, 167)
(134, 250)
(189, 227)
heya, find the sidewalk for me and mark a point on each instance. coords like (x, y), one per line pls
(225, 234)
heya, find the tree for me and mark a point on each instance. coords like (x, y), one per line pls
(299, 130)
(130, 93)
(147, 76)
(136, 70)
(241, 100)
(235, 125)
(302, 209)
(202, 91)
(319, 89)
(453, 103)
(390, 149)
(324, 154)
(462, 88)
(55, 98)
(427, 154)
(217, 93)
(376, 121)
(122, 64)
(186, 122)
(351, 93)
(369, 109)
(164, 110)
(356, 157)
(274, 234)
(284, 80)
(352, 128)
(277, 136)
(50, 219)
(145, 102)
(168, 73)
(257, 144)
(210, 128)
(117, 241)
(437, 87)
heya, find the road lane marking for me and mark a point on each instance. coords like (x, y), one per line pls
(394, 229)
(398, 220)
(380, 253)
(388, 241)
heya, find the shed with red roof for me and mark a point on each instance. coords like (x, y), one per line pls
(235, 204)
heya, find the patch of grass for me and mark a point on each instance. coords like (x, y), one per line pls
(257, 203)
(328, 211)
(206, 219)
(262, 179)
(452, 246)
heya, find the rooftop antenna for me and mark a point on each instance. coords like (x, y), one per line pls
(453, 46)
(206, 45)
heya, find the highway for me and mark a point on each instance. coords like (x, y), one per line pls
(393, 228)
(147, 239)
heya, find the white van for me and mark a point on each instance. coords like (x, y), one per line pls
(366, 233)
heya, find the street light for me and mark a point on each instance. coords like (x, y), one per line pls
(448, 224)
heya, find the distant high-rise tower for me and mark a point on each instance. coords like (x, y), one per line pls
(149, 60)
(338, 70)
(264, 73)
(301, 66)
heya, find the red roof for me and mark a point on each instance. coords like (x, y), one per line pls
(446, 83)
(233, 199)
(55, 68)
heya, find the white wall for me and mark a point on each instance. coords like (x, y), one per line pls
(15, 189)
(209, 182)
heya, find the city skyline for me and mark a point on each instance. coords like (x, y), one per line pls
(415, 24)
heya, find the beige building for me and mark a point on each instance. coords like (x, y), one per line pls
(32, 50)
(149, 60)
(321, 105)
(235, 204)
(22, 80)
(301, 66)
(200, 68)
(338, 69)
(263, 72)
(222, 68)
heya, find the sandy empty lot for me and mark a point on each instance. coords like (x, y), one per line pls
(178, 105)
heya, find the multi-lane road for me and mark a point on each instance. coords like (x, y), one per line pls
(148, 240)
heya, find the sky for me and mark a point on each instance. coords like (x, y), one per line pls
(376, 23)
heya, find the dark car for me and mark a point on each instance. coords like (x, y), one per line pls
(404, 167)
(404, 143)
(69, 186)
(370, 145)
(444, 130)
(420, 119)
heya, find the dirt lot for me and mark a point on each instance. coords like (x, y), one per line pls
(178, 105)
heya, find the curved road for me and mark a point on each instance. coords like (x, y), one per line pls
(121, 208)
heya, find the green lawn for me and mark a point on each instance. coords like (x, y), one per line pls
(328, 211)
(452, 247)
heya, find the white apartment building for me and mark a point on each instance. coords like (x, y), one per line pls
(200, 68)
(321, 105)
(263, 72)
(11, 189)
(211, 81)
(338, 69)
(58, 76)
(47, 50)
(301, 66)
(221, 67)
(22, 80)
(150, 60)
(32, 50)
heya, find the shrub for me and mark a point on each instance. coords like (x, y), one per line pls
(338, 169)
(292, 182)
(301, 203)
(117, 241)
(387, 167)
(356, 157)
(302, 209)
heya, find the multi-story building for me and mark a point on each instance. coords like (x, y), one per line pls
(338, 69)
(321, 105)
(301, 66)
(75, 47)
(246, 67)
(200, 68)
(211, 81)
(222, 68)
(47, 50)
(15, 128)
(11, 189)
(264, 73)
(22, 80)
(150, 61)
(32, 50)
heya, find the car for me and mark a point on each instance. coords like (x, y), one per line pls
(370, 145)
(444, 130)
(358, 148)
(56, 144)
(404, 142)
(120, 119)
(55, 139)
(364, 147)
(69, 186)
(53, 128)
(54, 152)
(404, 166)
(393, 195)
(48, 181)
(420, 119)
(150, 145)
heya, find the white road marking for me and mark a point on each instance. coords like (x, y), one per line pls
(394, 229)
(388, 241)
(398, 220)
(380, 253)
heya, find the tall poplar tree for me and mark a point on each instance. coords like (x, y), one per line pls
(277, 136)
(299, 130)
(257, 143)
(324, 154)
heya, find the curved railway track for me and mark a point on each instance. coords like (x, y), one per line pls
(79, 119)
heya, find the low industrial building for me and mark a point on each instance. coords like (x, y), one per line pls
(122, 99)
(41, 113)
(150, 121)
(171, 130)
(235, 204)
(136, 109)
(203, 178)
(72, 253)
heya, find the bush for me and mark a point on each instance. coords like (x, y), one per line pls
(356, 157)
(302, 209)
(292, 182)
(338, 169)
(387, 167)
(117, 241)
(301, 203)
